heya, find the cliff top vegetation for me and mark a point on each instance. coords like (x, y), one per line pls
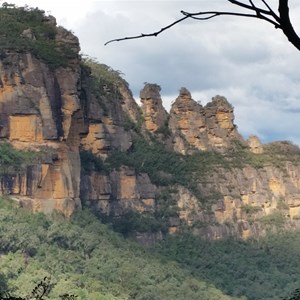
(29, 29)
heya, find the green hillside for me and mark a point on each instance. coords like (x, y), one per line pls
(86, 258)
(258, 269)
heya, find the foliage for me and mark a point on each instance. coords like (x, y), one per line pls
(91, 162)
(166, 205)
(13, 160)
(275, 154)
(105, 78)
(166, 167)
(105, 85)
(129, 124)
(147, 158)
(281, 204)
(267, 268)
(41, 290)
(250, 209)
(136, 222)
(14, 20)
(295, 295)
(164, 129)
(87, 259)
(276, 219)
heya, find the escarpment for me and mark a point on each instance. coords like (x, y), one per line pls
(86, 142)
(39, 110)
(213, 181)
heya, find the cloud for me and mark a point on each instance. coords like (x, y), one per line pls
(246, 60)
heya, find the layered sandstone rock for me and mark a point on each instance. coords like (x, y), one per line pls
(249, 197)
(155, 116)
(221, 130)
(38, 110)
(58, 112)
(202, 128)
(119, 192)
(108, 112)
(188, 124)
(255, 145)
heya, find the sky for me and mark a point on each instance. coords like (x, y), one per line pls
(246, 60)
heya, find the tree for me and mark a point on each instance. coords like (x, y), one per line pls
(259, 9)
(41, 291)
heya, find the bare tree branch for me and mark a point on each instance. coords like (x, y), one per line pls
(148, 34)
(213, 14)
(250, 7)
(271, 11)
(281, 21)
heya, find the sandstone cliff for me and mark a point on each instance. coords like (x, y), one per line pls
(40, 109)
(202, 128)
(165, 172)
(155, 116)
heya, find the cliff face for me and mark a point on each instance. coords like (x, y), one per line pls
(252, 201)
(93, 144)
(40, 109)
(202, 128)
(244, 194)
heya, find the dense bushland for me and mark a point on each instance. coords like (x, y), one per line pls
(86, 258)
(267, 268)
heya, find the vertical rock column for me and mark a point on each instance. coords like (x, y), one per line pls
(153, 111)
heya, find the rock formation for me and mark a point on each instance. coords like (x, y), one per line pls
(255, 144)
(39, 109)
(202, 128)
(108, 110)
(86, 108)
(154, 113)
(187, 123)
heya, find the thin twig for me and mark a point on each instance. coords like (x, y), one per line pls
(211, 14)
(254, 8)
(274, 15)
(263, 14)
(156, 33)
(217, 13)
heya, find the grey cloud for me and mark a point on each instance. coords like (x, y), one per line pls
(249, 62)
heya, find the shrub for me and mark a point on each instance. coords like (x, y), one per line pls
(105, 78)
(250, 209)
(13, 160)
(91, 162)
(276, 219)
(134, 221)
(14, 20)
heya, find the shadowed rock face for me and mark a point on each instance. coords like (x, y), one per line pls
(54, 110)
(155, 116)
(219, 119)
(40, 108)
